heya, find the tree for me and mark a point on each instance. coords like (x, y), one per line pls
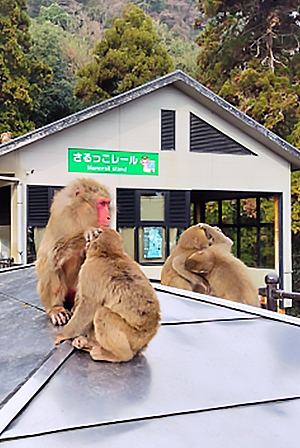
(183, 52)
(21, 78)
(55, 14)
(50, 44)
(128, 56)
(250, 56)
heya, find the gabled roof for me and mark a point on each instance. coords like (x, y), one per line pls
(185, 84)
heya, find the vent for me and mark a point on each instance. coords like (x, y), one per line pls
(126, 208)
(39, 199)
(179, 208)
(206, 139)
(168, 130)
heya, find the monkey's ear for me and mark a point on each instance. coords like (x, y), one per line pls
(78, 192)
(197, 243)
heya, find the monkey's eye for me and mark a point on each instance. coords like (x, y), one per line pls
(103, 204)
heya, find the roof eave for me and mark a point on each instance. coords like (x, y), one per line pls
(184, 83)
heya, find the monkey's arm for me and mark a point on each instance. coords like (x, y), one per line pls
(196, 281)
(200, 262)
(82, 317)
(217, 236)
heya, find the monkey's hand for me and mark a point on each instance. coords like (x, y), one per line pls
(216, 236)
(203, 287)
(91, 234)
(59, 315)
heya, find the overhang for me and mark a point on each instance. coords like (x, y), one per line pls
(185, 84)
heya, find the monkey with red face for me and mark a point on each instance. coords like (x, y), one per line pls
(83, 204)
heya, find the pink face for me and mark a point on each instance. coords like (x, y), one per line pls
(102, 205)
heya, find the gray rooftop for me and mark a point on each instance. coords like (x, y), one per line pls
(216, 374)
(185, 84)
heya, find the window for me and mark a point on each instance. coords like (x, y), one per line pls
(168, 130)
(249, 222)
(151, 222)
(39, 199)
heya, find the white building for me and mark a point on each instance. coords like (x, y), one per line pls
(172, 153)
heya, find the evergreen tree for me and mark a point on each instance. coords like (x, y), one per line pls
(50, 44)
(128, 56)
(250, 56)
(21, 78)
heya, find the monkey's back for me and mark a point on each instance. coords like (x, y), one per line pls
(230, 279)
(119, 284)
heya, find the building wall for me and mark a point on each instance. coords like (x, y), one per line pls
(136, 127)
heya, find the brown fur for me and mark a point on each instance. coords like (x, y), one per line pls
(5, 137)
(227, 275)
(174, 272)
(115, 303)
(73, 210)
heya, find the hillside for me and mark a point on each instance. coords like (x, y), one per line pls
(92, 17)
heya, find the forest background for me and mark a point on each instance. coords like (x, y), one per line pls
(57, 58)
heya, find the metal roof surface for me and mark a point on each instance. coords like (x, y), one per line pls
(189, 86)
(216, 374)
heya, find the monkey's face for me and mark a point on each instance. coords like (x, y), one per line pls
(103, 212)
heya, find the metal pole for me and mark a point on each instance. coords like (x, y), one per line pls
(272, 281)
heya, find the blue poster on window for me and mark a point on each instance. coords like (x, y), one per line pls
(153, 238)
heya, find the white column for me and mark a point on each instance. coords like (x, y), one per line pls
(21, 224)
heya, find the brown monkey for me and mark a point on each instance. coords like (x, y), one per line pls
(174, 272)
(5, 137)
(227, 275)
(216, 236)
(115, 303)
(82, 204)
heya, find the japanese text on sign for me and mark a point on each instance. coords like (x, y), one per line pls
(112, 162)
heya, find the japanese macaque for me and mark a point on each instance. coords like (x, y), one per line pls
(115, 305)
(5, 137)
(227, 275)
(174, 272)
(82, 204)
(216, 236)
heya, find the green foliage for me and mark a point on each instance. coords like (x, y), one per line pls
(150, 5)
(128, 56)
(21, 77)
(250, 56)
(50, 45)
(269, 98)
(55, 14)
(295, 189)
(184, 53)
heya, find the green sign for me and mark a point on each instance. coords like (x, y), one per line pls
(112, 162)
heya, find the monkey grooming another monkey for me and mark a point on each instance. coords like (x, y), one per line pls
(82, 204)
(227, 275)
(115, 303)
(175, 273)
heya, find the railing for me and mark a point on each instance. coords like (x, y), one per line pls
(6, 262)
(274, 295)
